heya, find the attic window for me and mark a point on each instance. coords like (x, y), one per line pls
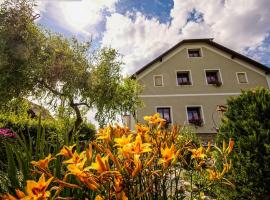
(193, 53)
(183, 78)
(158, 80)
(242, 77)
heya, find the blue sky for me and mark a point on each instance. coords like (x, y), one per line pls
(142, 29)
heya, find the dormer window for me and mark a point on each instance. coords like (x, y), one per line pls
(193, 53)
(183, 78)
(213, 77)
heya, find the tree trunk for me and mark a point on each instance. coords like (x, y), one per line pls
(79, 119)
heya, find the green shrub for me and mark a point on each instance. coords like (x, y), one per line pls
(247, 120)
(34, 139)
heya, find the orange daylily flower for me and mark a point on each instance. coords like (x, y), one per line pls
(99, 197)
(83, 175)
(198, 153)
(37, 190)
(167, 154)
(20, 194)
(214, 175)
(124, 145)
(142, 129)
(155, 119)
(76, 158)
(118, 189)
(230, 146)
(139, 147)
(124, 140)
(104, 134)
(67, 151)
(8, 197)
(101, 164)
(43, 163)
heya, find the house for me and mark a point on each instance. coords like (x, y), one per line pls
(187, 83)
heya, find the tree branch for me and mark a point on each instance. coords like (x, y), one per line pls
(82, 104)
(50, 88)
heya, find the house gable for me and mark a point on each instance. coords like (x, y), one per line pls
(230, 54)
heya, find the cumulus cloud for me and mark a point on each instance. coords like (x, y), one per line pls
(78, 16)
(237, 24)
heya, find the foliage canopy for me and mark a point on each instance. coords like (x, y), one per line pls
(38, 63)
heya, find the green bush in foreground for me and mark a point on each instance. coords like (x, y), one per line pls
(247, 120)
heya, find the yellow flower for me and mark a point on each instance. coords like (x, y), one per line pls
(104, 134)
(83, 175)
(76, 158)
(99, 197)
(167, 155)
(142, 129)
(215, 175)
(124, 145)
(67, 151)
(37, 190)
(198, 153)
(43, 163)
(155, 119)
(121, 142)
(77, 170)
(139, 147)
(101, 164)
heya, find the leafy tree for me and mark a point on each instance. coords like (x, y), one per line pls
(38, 63)
(248, 122)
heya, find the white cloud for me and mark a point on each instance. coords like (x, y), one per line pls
(78, 16)
(236, 24)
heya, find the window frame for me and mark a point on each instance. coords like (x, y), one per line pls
(201, 113)
(195, 48)
(162, 82)
(170, 108)
(218, 74)
(238, 77)
(189, 76)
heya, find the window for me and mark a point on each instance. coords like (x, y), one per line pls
(194, 116)
(165, 113)
(194, 53)
(242, 77)
(183, 78)
(212, 77)
(158, 80)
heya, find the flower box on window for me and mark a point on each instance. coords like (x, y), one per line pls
(196, 122)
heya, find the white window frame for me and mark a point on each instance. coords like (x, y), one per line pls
(219, 75)
(238, 78)
(191, 48)
(162, 83)
(190, 77)
(201, 110)
(171, 112)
